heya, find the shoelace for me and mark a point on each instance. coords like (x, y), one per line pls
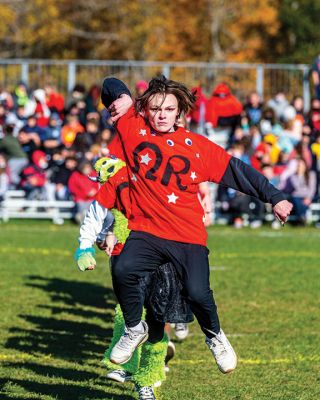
(124, 343)
(218, 346)
(180, 327)
(146, 391)
(122, 373)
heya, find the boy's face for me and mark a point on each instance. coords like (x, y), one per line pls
(162, 112)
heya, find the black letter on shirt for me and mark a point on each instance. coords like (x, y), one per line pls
(142, 146)
(169, 171)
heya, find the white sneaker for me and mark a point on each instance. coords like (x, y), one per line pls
(255, 224)
(119, 375)
(276, 224)
(223, 352)
(145, 393)
(181, 331)
(129, 341)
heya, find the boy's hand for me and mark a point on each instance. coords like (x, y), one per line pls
(282, 210)
(120, 106)
(111, 240)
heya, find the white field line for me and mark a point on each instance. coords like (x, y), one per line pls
(218, 268)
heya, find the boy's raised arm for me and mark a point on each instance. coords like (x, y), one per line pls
(116, 97)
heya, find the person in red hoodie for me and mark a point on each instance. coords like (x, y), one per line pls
(198, 113)
(223, 113)
(33, 176)
(54, 100)
(82, 189)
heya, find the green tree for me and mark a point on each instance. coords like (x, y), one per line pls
(299, 33)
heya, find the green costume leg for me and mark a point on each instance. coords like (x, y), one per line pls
(133, 364)
(151, 368)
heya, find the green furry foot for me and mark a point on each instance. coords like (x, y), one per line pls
(151, 368)
(133, 364)
(85, 258)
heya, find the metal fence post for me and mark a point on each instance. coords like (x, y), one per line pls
(260, 80)
(25, 73)
(71, 76)
(306, 89)
(166, 71)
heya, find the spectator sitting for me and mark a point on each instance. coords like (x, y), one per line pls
(223, 114)
(12, 120)
(21, 115)
(37, 107)
(254, 136)
(278, 104)
(298, 105)
(33, 177)
(301, 186)
(4, 176)
(70, 130)
(103, 140)
(6, 99)
(27, 143)
(52, 138)
(92, 99)
(281, 165)
(141, 87)
(20, 95)
(292, 124)
(77, 94)
(267, 152)
(82, 189)
(198, 113)
(236, 205)
(36, 132)
(17, 158)
(92, 130)
(81, 145)
(54, 100)
(61, 171)
(314, 115)
(268, 122)
(253, 108)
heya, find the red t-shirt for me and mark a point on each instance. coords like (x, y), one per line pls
(81, 188)
(115, 194)
(164, 172)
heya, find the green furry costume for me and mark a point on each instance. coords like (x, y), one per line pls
(147, 363)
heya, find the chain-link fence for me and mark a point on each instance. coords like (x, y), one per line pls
(266, 79)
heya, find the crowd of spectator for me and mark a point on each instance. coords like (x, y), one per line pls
(277, 137)
(48, 144)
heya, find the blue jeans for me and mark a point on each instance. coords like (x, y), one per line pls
(300, 209)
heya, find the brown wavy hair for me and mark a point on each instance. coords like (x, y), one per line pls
(162, 85)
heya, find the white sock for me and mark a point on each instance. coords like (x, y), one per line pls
(138, 328)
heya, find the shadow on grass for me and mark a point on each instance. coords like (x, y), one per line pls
(74, 326)
(72, 331)
(59, 391)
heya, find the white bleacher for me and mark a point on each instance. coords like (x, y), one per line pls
(313, 214)
(15, 205)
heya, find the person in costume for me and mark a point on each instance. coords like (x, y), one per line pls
(165, 165)
(106, 224)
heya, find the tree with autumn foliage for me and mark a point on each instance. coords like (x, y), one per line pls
(188, 30)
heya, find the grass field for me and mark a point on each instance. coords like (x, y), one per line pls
(56, 322)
